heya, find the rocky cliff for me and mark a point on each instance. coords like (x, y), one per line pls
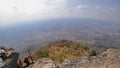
(11, 61)
(107, 59)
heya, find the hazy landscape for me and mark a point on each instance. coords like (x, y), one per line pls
(60, 33)
(92, 32)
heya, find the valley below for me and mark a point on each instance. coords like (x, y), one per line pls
(60, 40)
(88, 31)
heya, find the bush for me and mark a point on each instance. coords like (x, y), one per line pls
(3, 48)
(93, 53)
(43, 53)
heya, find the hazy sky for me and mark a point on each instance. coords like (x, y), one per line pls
(14, 11)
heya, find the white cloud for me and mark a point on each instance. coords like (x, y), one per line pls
(19, 10)
(12, 11)
(80, 7)
(97, 12)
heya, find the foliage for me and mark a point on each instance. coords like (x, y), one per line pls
(93, 53)
(42, 53)
(63, 49)
(2, 47)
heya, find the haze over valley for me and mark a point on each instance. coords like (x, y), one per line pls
(89, 31)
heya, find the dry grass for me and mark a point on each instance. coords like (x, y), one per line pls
(63, 49)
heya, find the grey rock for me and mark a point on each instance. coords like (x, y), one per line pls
(108, 59)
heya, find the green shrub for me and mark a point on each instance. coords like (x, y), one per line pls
(2, 47)
(43, 53)
(93, 53)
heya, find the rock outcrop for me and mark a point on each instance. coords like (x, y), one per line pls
(108, 59)
(11, 61)
(44, 63)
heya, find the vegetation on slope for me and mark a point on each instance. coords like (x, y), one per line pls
(3, 48)
(63, 49)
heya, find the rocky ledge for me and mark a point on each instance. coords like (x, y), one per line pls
(107, 59)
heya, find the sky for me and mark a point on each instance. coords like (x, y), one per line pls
(16, 11)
